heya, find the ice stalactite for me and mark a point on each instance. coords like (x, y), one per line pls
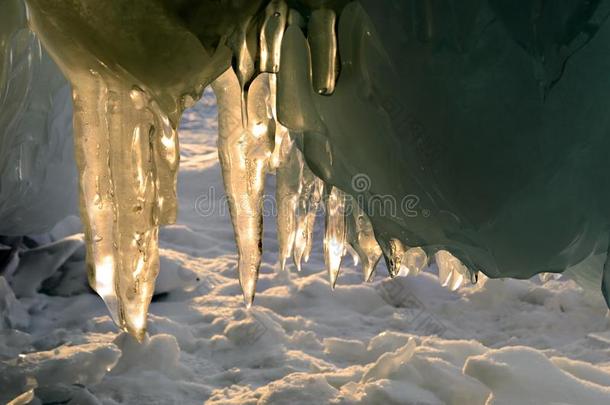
(245, 153)
(311, 191)
(127, 154)
(414, 260)
(393, 253)
(323, 44)
(166, 157)
(451, 271)
(272, 32)
(296, 112)
(288, 182)
(361, 238)
(286, 158)
(335, 234)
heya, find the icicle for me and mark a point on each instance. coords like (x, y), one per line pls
(272, 32)
(288, 176)
(394, 253)
(316, 199)
(443, 261)
(546, 277)
(166, 156)
(451, 271)
(362, 239)
(244, 45)
(415, 259)
(323, 44)
(126, 151)
(310, 195)
(244, 156)
(335, 235)
(282, 136)
(302, 236)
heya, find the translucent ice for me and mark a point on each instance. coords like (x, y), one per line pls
(451, 271)
(122, 212)
(415, 260)
(272, 32)
(288, 176)
(394, 252)
(335, 235)
(323, 44)
(361, 238)
(311, 190)
(244, 154)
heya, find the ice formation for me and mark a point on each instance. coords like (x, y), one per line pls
(481, 131)
(334, 237)
(245, 153)
(311, 190)
(361, 238)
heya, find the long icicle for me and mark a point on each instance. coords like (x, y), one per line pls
(244, 157)
(311, 190)
(362, 239)
(127, 155)
(335, 235)
(272, 32)
(323, 44)
(287, 195)
(315, 201)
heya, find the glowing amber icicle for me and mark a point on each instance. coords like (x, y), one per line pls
(127, 162)
(335, 235)
(272, 32)
(323, 44)
(361, 237)
(245, 153)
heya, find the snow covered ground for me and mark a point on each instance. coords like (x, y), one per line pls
(401, 341)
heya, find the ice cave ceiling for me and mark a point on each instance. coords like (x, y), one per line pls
(478, 127)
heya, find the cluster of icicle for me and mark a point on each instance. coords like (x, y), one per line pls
(253, 142)
(127, 154)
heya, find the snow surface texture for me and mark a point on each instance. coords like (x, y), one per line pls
(401, 341)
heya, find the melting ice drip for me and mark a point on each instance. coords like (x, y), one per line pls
(276, 69)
